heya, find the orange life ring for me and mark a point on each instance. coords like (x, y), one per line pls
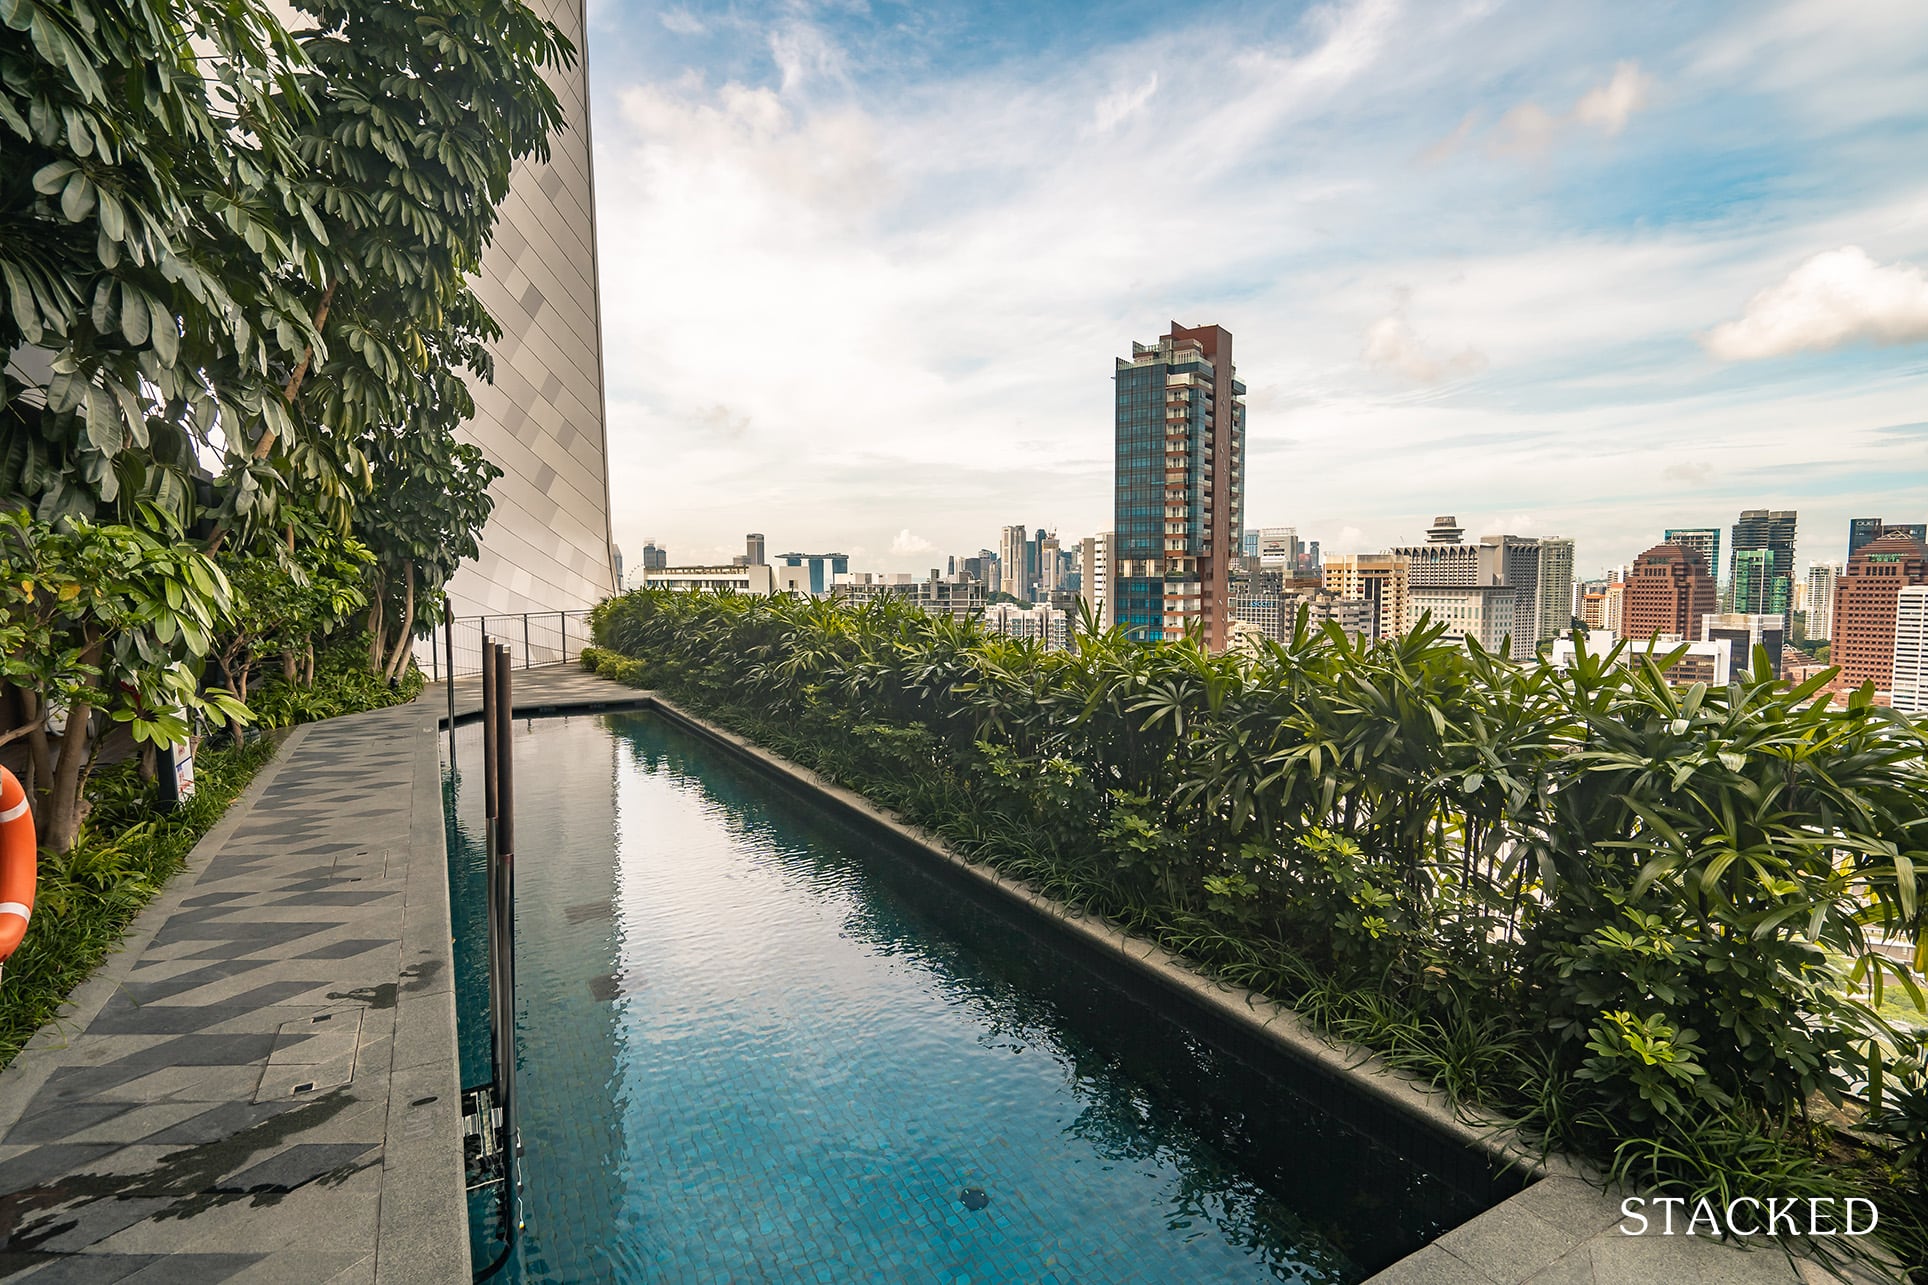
(17, 864)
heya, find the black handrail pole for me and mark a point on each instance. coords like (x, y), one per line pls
(488, 731)
(505, 865)
(448, 648)
(525, 640)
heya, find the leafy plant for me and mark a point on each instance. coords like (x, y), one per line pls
(1613, 909)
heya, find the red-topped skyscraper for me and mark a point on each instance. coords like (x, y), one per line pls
(1179, 499)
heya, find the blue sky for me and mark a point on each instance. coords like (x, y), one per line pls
(1591, 270)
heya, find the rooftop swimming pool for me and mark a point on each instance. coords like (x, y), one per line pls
(756, 1043)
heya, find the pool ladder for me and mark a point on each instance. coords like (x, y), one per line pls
(484, 1143)
(491, 1139)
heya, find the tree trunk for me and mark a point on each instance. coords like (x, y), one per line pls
(64, 797)
(399, 658)
(375, 629)
(40, 760)
(308, 665)
(238, 684)
(288, 665)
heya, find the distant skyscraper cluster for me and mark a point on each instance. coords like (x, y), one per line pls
(1181, 560)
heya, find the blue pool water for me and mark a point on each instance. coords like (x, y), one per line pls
(754, 1044)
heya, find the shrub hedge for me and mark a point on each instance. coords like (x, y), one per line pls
(1639, 919)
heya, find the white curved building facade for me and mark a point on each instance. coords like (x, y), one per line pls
(547, 546)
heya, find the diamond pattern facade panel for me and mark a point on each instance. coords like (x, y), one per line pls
(547, 545)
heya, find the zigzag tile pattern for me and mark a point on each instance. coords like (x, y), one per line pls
(224, 1114)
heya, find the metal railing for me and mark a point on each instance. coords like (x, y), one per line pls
(537, 638)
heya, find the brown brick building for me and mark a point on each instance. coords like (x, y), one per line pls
(1865, 599)
(1669, 591)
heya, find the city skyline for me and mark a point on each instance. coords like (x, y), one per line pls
(1595, 272)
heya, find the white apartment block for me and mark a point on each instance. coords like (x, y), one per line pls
(737, 579)
(1909, 687)
(1050, 625)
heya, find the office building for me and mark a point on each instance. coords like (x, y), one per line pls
(1746, 633)
(714, 579)
(1446, 559)
(1277, 544)
(616, 558)
(1820, 600)
(816, 573)
(1668, 594)
(1867, 530)
(1762, 584)
(1094, 572)
(1703, 540)
(1518, 559)
(654, 557)
(1481, 612)
(1249, 545)
(1866, 599)
(1179, 497)
(1909, 683)
(547, 543)
(1377, 579)
(753, 549)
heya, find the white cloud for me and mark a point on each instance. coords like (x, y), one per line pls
(803, 54)
(1836, 297)
(1609, 107)
(1122, 104)
(1528, 127)
(682, 22)
(818, 267)
(1392, 345)
(906, 545)
(1531, 129)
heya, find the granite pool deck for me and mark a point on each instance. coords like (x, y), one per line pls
(261, 1085)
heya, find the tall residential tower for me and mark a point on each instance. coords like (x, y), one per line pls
(1179, 501)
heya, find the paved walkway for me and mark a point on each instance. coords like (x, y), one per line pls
(261, 1085)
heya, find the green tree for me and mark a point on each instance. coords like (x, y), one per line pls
(149, 221)
(283, 597)
(434, 503)
(103, 625)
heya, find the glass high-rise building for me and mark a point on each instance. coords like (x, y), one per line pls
(1179, 498)
(1704, 540)
(1867, 530)
(1763, 586)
